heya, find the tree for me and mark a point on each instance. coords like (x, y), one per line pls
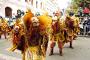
(76, 4)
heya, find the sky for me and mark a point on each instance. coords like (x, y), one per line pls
(63, 3)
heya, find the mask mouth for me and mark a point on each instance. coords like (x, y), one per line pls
(54, 21)
(35, 24)
(16, 30)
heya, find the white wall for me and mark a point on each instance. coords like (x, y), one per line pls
(20, 4)
(14, 5)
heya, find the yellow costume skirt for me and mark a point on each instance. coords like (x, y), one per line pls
(58, 38)
(33, 53)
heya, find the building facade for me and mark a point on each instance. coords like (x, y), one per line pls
(8, 8)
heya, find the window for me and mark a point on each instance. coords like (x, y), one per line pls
(36, 3)
(41, 4)
(32, 2)
(8, 12)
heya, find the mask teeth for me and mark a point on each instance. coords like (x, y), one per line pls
(34, 24)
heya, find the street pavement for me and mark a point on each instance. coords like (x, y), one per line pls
(81, 50)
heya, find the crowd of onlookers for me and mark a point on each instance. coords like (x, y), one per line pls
(85, 25)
